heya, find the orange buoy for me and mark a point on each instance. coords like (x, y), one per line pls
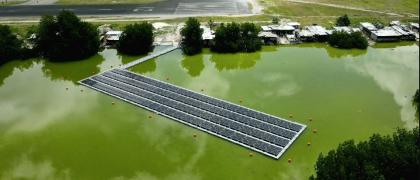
(315, 131)
(251, 154)
(289, 160)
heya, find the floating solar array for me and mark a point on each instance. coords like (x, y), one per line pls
(252, 129)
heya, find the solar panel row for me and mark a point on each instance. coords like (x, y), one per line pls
(261, 132)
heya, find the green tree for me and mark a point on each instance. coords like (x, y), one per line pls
(344, 40)
(343, 21)
(10, 45)
(66, 38)
(250, 40)
(275, 20)
(381, 157)
(416, 99)
(228, 38)
(136, 39)
(192, 40)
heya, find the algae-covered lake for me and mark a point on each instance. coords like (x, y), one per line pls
(53, 128)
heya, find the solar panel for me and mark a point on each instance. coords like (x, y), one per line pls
(252, 129)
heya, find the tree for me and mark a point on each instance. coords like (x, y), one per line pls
(136, 39)
(250, 40)
(344, 40)
(381, 157)
(343, 21)
(10, 45)
(416, 99)
(228, 38)
(192, 40)
(66, 38)
(275, 20)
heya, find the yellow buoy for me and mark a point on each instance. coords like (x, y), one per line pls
(202, 89)
(289, 160)
(150, 117)
(310, 119)
(251, 154)
(112, 103)
(81, 90)
(309, 143)
(290, 115)
(195, 135)
(67, 88)
(315, 131)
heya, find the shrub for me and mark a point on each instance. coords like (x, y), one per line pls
(381, 157)
(66, 38)
(10, 45)
(344, 40)
(343, 21)
(136, 39)
(192, 40)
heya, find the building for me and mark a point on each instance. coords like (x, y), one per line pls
(406, 34)
(367, 28)
(268, 37)
(319, 33)
(343, 29)
(208, 36)
(414, 27)
(112, 37)
(306, 36)
(387, 34)
(296, 25)
(280, 30)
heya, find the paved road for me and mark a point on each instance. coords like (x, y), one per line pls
(170, 7)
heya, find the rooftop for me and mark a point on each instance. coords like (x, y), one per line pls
(386, 32)
(368, 26)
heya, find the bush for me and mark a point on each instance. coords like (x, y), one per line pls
(192, 40)
(344, 40)
(66, 37)
(136, 39)
(343, 21)
(233, 37)
(382, 157)
(10, 45)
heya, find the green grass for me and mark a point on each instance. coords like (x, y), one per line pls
(397, 6)
(78, 2)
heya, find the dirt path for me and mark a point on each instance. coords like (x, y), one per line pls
(348, 7)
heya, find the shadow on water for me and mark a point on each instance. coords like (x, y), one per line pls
(73, 71)
(235, 61)
(394, 44)
(7, 69)
(193, 64)
(333, 52)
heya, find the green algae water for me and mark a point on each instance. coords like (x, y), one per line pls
(53, 128)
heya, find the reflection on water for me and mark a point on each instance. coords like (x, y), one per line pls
(396, 75)
(146, 67)
(394, 44)
(235, 61)
(73, 71)
(334, 52)
(8, 68)
(194, 65)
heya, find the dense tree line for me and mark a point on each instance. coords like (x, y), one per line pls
(235, 37)
(346, 40)
(416, 100)
(136, 39)
(65, 38)
(192, 40)
(381, 157)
